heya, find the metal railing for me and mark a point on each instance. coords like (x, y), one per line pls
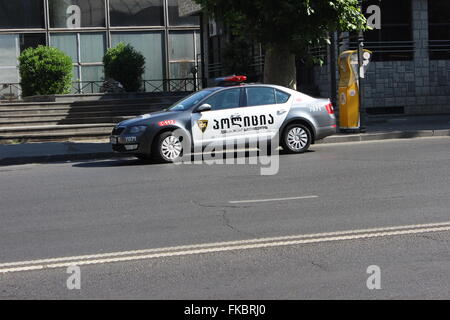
(13, 91)
(388, 50)
(10, 91)
(439, 49)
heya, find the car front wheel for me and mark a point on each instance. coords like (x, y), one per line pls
(296, 138)
(168, 147)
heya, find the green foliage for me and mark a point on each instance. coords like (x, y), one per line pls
(298, 23)
(126, 65)
(237, 57)
(44, 71)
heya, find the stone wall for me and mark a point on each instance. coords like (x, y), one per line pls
(421, 86)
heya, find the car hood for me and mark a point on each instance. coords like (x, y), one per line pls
(146, 119)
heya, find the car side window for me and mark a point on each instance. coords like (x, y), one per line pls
(282, 97)
(227, 99)
(260, 96)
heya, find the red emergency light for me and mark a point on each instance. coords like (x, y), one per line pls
(235, 79)
(231, 80)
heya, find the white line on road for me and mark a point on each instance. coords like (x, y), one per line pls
(65, 262)
(271, 200)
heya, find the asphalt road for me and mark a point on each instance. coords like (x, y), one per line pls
(92, 208)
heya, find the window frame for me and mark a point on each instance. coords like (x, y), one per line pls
(241, 99)
(261, 105)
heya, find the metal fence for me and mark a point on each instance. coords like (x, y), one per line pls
(439, 49)
(388, 50)
(12, 91)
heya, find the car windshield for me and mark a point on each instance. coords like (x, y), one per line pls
(190, 101)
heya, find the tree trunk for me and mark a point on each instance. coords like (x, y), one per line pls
(279, 67)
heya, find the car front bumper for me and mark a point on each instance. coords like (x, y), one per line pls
(127, 143)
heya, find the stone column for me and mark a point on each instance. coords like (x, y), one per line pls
(421, 56)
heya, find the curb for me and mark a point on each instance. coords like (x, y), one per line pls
(385, 136)
(330, 140)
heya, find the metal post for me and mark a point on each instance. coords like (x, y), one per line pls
(333, 66)
(362, 109)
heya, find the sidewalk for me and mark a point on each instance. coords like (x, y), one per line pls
(378, 128)
(397, 127)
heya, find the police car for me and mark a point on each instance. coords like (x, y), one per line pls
(231, 111)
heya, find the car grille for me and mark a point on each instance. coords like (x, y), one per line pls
(118, 131)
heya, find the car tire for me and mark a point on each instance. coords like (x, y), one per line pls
(168, 148)
(296, 138)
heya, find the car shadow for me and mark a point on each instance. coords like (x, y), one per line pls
(131, 162)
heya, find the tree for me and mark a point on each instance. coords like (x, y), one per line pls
(45, 70)
(126, 65)
(237, 57)
(286, 28)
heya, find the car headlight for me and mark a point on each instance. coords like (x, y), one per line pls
(137, 129)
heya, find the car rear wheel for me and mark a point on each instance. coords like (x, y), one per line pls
(168, 147)
(296, 138)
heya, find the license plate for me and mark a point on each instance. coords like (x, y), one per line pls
(114, 140)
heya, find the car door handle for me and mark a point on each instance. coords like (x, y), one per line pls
(280, 112)
(235, 116)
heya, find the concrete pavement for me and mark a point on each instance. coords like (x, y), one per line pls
(97, 207)
(379, 128)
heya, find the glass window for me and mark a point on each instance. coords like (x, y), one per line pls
(93, 47)
(66, 42)
(74, 14)
(190, 101)
(260, 96)
(227, 99)
(126, 13)
(183, 48)
(9, 51)
(31, 40)
(92, 73)
(11, 45)
(394, 41)
(439, 29)
(150, 44)
(282, 97)
(19, 14)
(176, 20)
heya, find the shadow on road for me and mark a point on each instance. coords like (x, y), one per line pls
(128, 162)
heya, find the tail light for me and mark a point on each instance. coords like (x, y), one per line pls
(330, 108)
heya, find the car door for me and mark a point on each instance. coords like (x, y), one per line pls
(216, 125)
(265, 111)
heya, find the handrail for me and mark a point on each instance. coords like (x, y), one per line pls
(13, 91)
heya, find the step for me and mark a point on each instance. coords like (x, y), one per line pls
(92, 104)
(13, 132)
(43, 121)
(56, 137)
(83, 108)
(117, 111)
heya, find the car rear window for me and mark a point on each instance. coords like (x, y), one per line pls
(282, 97)
(260, 96)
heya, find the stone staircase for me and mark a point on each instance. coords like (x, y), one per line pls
(83, 120)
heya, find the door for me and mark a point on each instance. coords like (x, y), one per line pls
(216, 126)
(265, 111)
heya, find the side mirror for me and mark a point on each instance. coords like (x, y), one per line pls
(204, 107)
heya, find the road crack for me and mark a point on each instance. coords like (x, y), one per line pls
(223, 215)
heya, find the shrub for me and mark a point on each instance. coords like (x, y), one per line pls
(126, 65)
(45, 70)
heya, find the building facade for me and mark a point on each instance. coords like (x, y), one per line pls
(85, 29)
(410, 70)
